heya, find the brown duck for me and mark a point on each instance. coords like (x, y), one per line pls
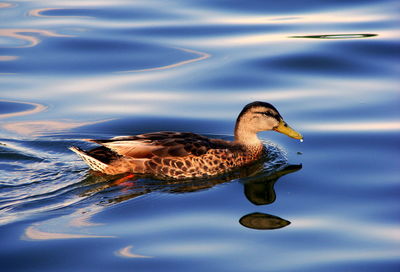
(183, 155)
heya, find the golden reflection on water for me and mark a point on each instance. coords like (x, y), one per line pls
(6, 5)
(126, 252)
(39, 128)
(33, 233)
(38, 13)
(21, 34)
(37, 108)
(202, 56)
(8, 58)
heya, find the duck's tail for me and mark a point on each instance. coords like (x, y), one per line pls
(93, 163)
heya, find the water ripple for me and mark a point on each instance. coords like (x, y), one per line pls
(15, 107)
(202, 56)
(21, 35)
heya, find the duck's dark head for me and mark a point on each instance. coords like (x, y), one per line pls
(261, 116)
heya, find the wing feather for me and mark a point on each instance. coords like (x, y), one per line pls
(162, 144)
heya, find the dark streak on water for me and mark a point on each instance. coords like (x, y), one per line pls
(92, 69)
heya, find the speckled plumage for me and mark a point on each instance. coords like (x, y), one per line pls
(183, 155)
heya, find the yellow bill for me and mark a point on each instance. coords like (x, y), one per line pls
(287, 130)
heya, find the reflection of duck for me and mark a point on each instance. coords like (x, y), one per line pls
(117, 189)
(180, 155)
(260, 191)
(254, 175)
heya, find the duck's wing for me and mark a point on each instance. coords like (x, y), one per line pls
(162, 144)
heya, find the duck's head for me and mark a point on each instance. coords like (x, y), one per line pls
(261, 116)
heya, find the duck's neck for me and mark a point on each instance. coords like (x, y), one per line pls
(246, 137)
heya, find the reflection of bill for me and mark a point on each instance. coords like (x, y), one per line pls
(263, 221)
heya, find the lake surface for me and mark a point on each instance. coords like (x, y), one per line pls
(72, 70)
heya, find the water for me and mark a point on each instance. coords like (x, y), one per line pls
(72, 70)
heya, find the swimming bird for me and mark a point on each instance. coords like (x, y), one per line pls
(185, 155)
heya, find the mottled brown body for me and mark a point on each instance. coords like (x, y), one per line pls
(214, 162)
(174, 155)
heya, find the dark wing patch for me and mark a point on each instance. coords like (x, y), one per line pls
(103, 154)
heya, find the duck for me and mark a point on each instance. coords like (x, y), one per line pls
(186, 155)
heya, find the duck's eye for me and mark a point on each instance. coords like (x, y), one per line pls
(266, 113)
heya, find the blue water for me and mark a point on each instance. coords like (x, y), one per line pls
(72, 70)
